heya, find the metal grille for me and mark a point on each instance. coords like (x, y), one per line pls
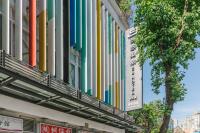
(57, 94)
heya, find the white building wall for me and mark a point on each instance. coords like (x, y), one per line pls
(27, 108)
(191, 123)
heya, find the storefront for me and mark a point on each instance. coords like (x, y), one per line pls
(10, 124)
(25, 124)
(47, 128)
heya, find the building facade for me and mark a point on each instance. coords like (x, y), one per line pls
(63, 66)
(191, 124)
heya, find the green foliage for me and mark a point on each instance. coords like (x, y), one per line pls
(125, 6)
(166, 36)
(149, 116)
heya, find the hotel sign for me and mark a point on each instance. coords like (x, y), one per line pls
(134, 96)
(10, 124)
(46, 128)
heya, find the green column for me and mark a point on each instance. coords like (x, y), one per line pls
(84, 48)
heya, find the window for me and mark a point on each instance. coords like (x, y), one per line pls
(74, 68)
(72, 74)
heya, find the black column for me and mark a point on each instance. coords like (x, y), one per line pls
(66, 40)
(0, 31)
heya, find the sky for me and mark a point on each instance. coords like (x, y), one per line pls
(191, 102)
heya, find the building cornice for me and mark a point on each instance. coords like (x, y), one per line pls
(116, 13)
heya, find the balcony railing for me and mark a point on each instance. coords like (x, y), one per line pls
(82, 103)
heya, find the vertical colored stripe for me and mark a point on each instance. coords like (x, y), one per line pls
(32, 32)
(66, 39)
(42, 35)
(18, 29)
(73, 23)
(110, 59)
(59, 39)
(78, 46)
(51, 37)
(117, 96)
(113, 65)
(89, 45)
(99, 49)
(106, 58)
(103, 53)
(84, 48)
(5, 26)
(119, 71)
(94, 48)
(124, 65)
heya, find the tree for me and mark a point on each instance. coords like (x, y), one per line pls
(166, 36)
(149, 116)
(125, 6)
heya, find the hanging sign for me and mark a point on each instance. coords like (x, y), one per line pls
(134, 96)
(10, 124)
(46, 128)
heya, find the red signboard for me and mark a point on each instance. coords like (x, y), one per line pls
(46, 128)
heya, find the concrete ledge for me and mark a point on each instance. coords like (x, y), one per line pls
(27, 108)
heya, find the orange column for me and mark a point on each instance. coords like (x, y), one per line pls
(32, 33)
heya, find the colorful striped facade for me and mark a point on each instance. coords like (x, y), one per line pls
(80, 42)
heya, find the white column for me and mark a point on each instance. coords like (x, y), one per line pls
(59, 39)
(116, 67)
(110, 61)
(114, 64)
(89, 45)
(106, 57)
(94, 43)
(18, 29)
(103, 53)
(5, 26)
(119, 78)
(51, 38)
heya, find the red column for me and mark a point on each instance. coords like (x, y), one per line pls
(32, 32)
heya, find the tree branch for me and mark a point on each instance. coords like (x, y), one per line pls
(178, 40)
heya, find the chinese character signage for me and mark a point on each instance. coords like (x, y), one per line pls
(11, 124)
(46, 128)
(134, 96)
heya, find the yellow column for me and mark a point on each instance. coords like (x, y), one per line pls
(42, 35)
(99, 49)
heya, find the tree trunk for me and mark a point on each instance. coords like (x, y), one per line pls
(169, 103)
(165, 123)
(149, 131)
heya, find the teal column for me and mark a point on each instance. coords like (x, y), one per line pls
(110, 60)
(123, 67)
(84, 48)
